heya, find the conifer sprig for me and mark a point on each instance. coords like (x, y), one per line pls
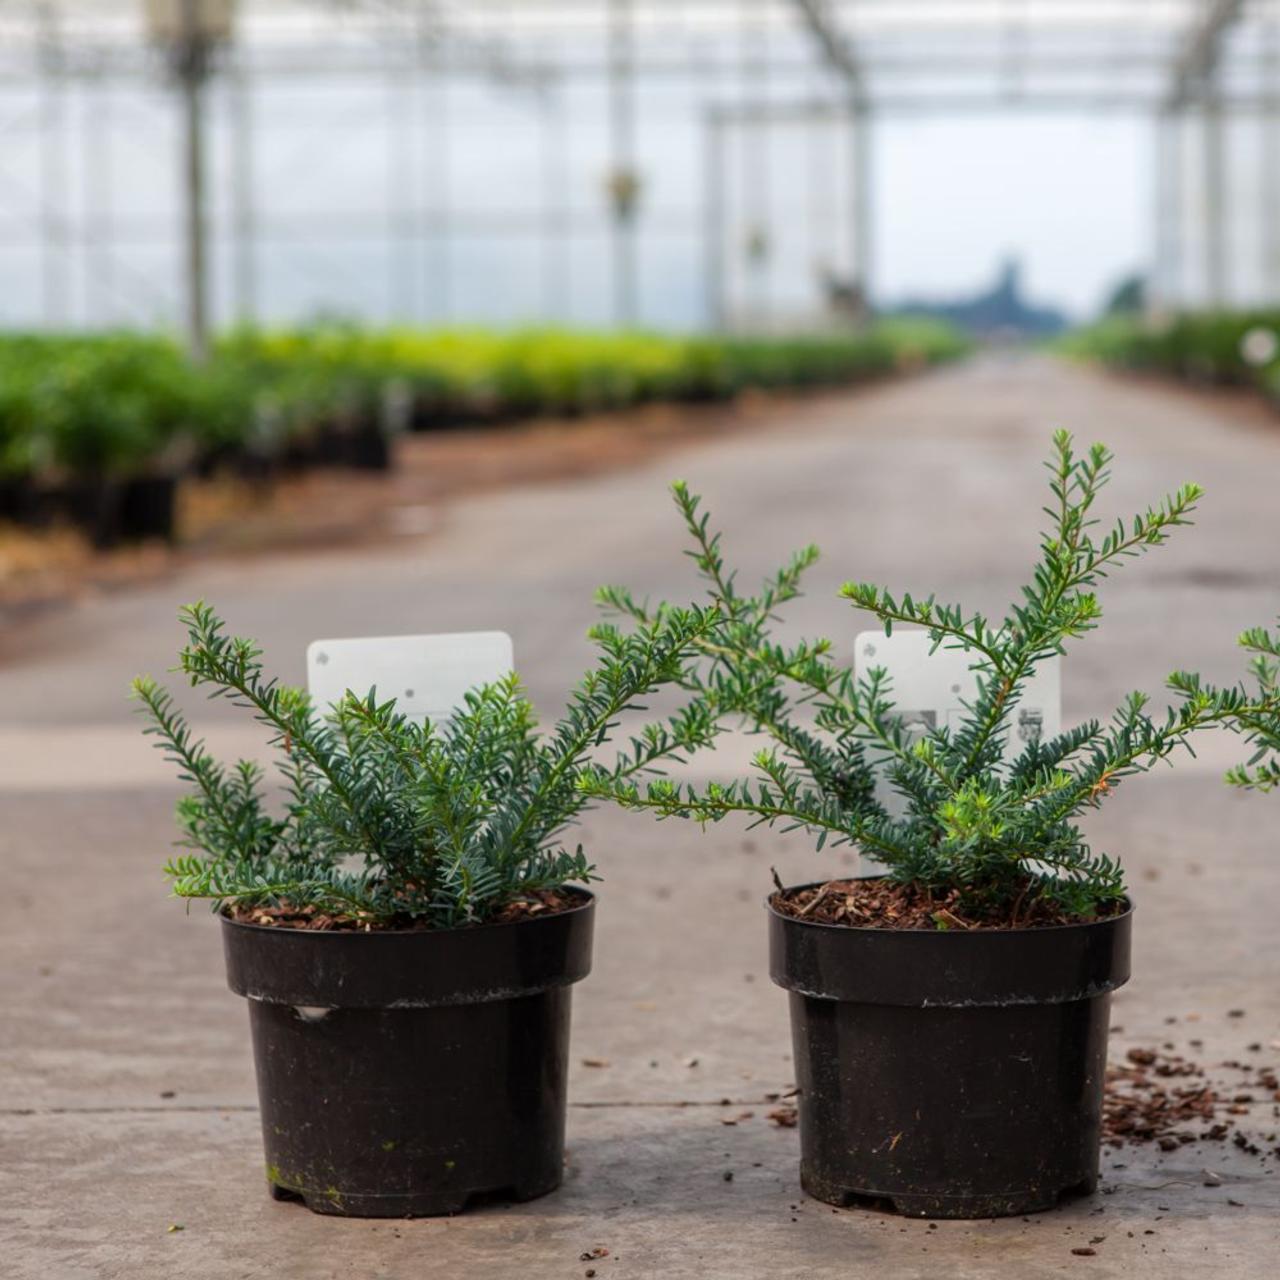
(386, 817)
(1000, 830)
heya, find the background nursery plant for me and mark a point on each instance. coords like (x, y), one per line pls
(980, 840)
(449, 822)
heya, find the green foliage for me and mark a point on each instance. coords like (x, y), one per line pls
(1203, 347)
(119, 403)
(1262, 770)
(1002, 833)
(90, 406)
(475, 375)
(1128, 297)
(386, 818)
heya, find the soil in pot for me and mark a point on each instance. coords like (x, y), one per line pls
(948, 1070)
(411, 1072)
(884, 904)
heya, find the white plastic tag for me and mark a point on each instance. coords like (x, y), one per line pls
(426, 675)
(929, 690)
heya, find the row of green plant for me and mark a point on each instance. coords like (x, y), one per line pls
(1217, 348)
(126, 403)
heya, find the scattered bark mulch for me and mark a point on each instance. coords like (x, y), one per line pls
(785, 1116)
(883, 904)
(318, 920)
(1162, 1097)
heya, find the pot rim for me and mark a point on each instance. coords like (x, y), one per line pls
(1128, 911)
(952, 968)
(586, 899)
(409, 968)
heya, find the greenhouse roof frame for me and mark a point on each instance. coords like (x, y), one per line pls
(914, 56)
(743, 68)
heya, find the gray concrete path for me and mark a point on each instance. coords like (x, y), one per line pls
(126, 1091)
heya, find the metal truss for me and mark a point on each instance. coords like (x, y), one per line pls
(1190, 66)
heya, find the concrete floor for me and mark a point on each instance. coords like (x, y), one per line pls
(127, 1103)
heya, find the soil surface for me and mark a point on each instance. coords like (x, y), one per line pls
(882, 904)
(542, 902)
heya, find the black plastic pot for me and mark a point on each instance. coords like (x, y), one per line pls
(425, 415)
(92, 504)
(257, 466)
(407, 1074)
(18, 499)
(327, 446)
(951, 1074)
(367, 448)
(148, 508)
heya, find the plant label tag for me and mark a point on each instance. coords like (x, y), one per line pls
(426, 675)
(930, 690)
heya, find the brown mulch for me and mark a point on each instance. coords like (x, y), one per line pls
(1162, 1097)
(882, 904)
(785, 1116)
(316, 919)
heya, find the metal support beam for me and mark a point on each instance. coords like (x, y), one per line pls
(556, 215)
(713, 170)
(1269, 168)
(190, 58)
(1215, 245)
(402, 242)
(97, 156)
(1195, 78)
(820, 20)
(1164, 292)
(437, 205)
(55, 242)
(821, 23)
(87, 58)
(756, 247)
(195, 223)
(244, 282)
(860, 201)
(1199, 56)
(623, 179)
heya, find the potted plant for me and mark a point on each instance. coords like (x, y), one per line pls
(16, 444)
(950, 1015)
(113, 416)
(407, 928)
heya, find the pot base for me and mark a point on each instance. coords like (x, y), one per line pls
(406, 1074)
(413, 1112)
(439, 1205)
(1014, 1204)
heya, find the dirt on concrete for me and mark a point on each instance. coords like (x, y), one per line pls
(1158, 1095)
